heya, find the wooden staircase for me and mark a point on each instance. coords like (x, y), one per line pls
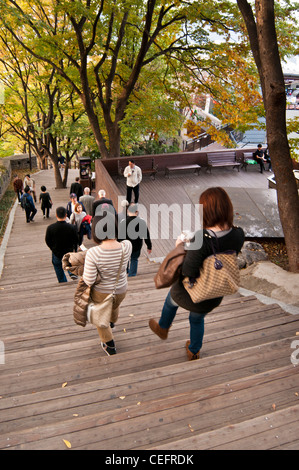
(59, 390)
(58, 385)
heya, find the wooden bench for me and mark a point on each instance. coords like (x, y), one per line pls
(147, 166)
(170, 168)
(248, 159)
(220, 159)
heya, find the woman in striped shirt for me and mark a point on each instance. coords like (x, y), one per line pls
(103, 260)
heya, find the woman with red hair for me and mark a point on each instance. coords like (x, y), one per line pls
(217, 229)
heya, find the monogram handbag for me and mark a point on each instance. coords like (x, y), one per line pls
(169, 270)
(219, 276)
(99, 314)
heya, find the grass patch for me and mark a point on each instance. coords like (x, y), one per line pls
(8, 200)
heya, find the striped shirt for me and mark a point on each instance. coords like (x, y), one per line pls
(106, 264)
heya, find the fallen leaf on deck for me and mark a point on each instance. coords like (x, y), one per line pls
(64, 384)
(122, 398)
(67, 443)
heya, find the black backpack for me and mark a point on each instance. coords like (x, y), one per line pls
(25, 204)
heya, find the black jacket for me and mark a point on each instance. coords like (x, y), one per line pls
(134, 228)
(77, 189)
(61, 238)
(101, 201)
(193, 261)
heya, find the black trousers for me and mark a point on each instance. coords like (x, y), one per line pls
(262, 166)
(30, 213)
(136, 193)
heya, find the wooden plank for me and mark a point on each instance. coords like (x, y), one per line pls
(247, 435)
(126, 427)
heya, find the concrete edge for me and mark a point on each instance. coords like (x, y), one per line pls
(292, 309)
(7, 235)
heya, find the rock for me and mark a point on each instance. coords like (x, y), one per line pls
(251, 253)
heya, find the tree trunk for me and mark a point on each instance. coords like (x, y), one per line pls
(53, 155)
(114, 133)
(266, 54)
(58, 179)
(92, 117)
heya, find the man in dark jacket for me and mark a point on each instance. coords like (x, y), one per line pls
(18, 187)
(61, 238)
(77, 188)
(103, 200)
(134, 228)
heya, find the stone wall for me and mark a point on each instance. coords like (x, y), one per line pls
(10, 166)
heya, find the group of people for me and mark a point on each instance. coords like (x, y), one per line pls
(26, 194)
(78, 218)
(114, 256)
(106, 256)
(111, 256)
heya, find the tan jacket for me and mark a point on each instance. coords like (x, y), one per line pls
(74, 262)
(81, 300)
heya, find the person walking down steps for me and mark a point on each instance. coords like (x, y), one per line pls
(218, 229)
(105, 268)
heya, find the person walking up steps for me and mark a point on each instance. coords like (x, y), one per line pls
(46, 202)
(28, 205)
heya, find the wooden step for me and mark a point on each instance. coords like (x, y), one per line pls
(58, 384)
(146, 424)
(274, 431)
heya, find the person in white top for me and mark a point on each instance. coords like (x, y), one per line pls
(103, 260)
(29, 181)
(134, 176)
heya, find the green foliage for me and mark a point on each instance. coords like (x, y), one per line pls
(151, 147)
(130, 65)
(292, 128)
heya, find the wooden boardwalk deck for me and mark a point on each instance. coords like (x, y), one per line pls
(180, 192)
(57, 385)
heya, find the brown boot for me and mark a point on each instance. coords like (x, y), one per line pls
(190, 355)
(156, 328)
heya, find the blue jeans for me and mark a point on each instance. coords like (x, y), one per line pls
(196, 321)
(132, 268)
(57, 263)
